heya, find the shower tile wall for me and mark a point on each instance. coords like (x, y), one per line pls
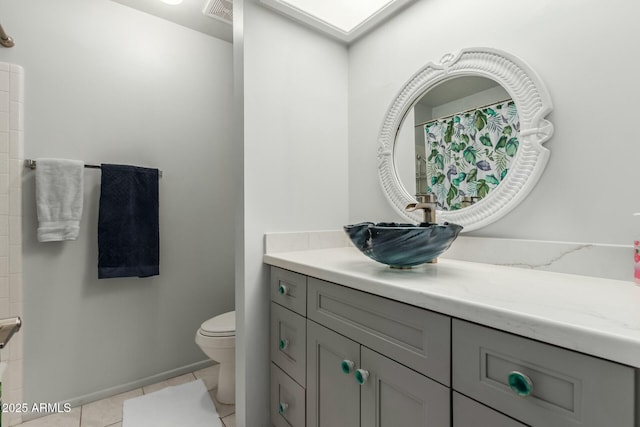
(11, 168)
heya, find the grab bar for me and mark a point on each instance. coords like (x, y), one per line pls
(8, 327)
(5, 40)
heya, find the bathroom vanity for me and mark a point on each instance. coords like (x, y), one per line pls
(355, 343)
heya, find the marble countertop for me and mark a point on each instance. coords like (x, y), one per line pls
(596, 316)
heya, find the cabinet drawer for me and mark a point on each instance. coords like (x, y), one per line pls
(287, 400)
(414, 337)
(289, 342)
(469, 413)
(289, 289)
(567, 388)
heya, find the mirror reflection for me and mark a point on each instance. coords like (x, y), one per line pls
(458, 141)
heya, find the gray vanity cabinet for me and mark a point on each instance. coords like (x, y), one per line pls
(346, 358)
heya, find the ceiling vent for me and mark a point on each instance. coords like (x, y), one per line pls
(220, 9)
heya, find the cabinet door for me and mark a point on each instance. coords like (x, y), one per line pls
(396, 396)
(333, 397)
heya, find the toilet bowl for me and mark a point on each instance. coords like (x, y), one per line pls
(217, 339)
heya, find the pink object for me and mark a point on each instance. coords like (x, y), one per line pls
(636, 261)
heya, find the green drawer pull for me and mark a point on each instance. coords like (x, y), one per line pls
(283, 344)
(282, 408)
(361, 376)
(520, 383)
(347, 366)
(283, 290)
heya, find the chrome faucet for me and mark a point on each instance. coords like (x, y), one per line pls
(426, 202)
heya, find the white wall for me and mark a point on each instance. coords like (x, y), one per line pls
(106, 83)
(295, 169)
(585, 55)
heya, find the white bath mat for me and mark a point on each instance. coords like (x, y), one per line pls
(178, 406)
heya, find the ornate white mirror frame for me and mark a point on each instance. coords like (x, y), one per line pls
(533, 103)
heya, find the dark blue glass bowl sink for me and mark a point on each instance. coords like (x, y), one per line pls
(402, 245)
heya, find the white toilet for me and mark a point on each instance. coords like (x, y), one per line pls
(217, 338)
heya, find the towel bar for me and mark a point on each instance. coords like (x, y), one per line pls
(31, 164)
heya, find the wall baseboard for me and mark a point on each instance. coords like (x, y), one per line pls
(123, 388)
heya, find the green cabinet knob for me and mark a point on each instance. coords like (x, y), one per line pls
(520, 383)
(282, 408)
(283, 344)
(283, 290)
(361, 376)
(347, 366)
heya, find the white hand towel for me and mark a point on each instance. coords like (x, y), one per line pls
(59, 198)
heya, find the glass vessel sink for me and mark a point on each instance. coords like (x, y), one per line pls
(402, 245)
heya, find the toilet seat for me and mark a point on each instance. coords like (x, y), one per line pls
(223, 325)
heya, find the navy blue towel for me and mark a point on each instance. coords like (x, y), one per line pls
(128, 230)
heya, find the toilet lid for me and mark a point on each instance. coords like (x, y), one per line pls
(223, 325)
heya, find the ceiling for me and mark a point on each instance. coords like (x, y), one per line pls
(457, 88)
(188, 14)
(345, 20)
(341, 19)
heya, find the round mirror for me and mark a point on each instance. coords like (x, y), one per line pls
(469, 131)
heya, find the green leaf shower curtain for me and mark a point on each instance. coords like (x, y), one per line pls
(470, 153)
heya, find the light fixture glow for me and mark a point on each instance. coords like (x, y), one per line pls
(345, 15)
(171, 2)
(344, 20)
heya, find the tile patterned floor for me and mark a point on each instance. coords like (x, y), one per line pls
(108, 412)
